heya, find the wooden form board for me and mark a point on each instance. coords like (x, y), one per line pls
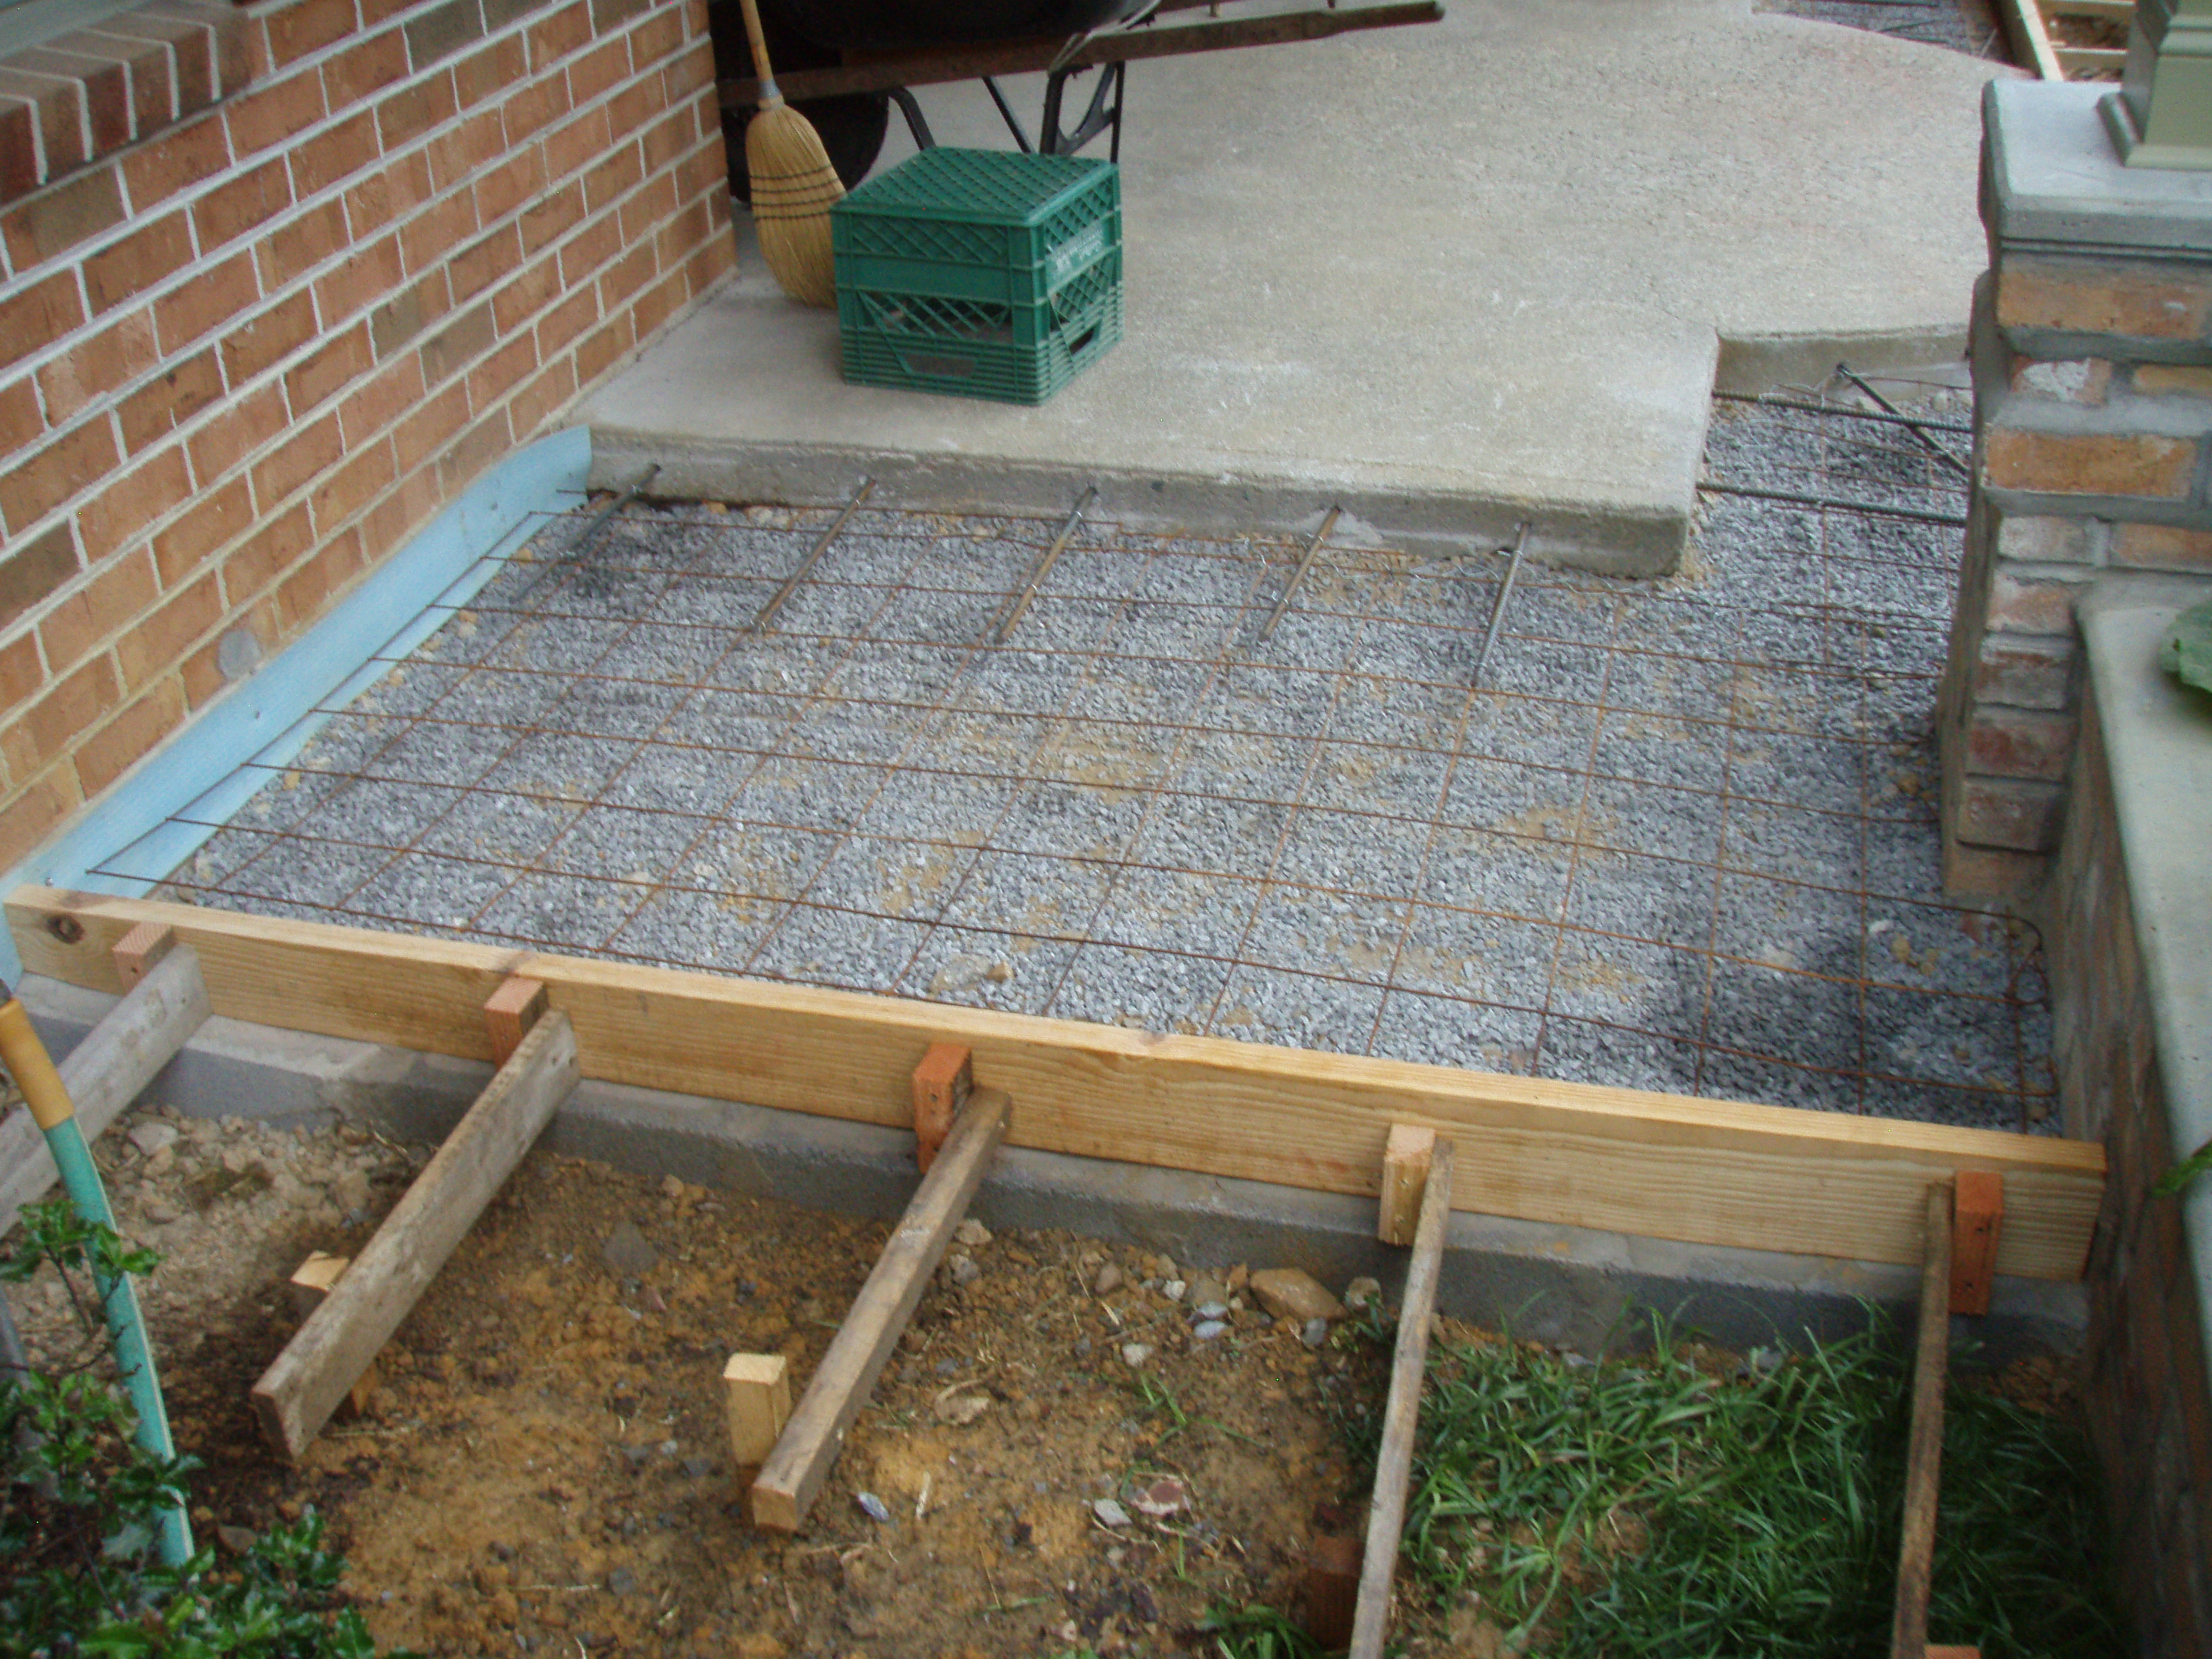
(1664, 1166)
(2027, 23)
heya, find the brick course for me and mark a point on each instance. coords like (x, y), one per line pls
(247, 348)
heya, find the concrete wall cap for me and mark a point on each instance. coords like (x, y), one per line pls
(2056, 186)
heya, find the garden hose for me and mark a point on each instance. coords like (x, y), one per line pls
(44, 1092)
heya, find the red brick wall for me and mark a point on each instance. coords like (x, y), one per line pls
(2150, 1402)
(242, 359)
(2092, 383)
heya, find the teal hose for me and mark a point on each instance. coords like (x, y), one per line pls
(126, 1327)
(43, 1092)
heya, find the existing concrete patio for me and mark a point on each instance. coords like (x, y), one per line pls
(1452, 277)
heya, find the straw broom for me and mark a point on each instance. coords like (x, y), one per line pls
(794, 186)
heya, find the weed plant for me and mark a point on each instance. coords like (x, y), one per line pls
(1653, 1508)
(79, 1497)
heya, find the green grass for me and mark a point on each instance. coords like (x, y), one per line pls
(1645, 1508)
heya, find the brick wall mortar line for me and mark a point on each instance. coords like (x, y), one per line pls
(302, 206)
(275, 372)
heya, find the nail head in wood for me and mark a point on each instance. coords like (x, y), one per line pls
(942, 1083)
(1977, 1213)
(141, 949)
(1332, 1589)
(1405, 1159)
(509, 1013)
(759, 1389)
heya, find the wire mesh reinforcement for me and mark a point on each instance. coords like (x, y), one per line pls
(1682, 837)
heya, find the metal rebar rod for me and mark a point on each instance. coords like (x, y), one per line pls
(1497, 611)
(1305, 562)
(606, 515)
(1877, 510)
(1020, 606)
(1910, 425)
(776, 602)
(1767, 400)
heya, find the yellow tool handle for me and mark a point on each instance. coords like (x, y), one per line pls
(768, 94)
(33, 1068)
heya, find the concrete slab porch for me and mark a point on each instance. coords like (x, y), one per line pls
(1453, 278)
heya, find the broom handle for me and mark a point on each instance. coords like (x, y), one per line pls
(769, 95)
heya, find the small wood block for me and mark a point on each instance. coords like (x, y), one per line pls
(312, 1282)
(1977, 1213)
(1952, 1653)
(1405, 1159)
(509, 1013)
(759, 1388)
(309, 1286)
(1332, 1589)
(139, 951)
(941, 1083)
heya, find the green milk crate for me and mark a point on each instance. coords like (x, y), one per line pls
(979, 273)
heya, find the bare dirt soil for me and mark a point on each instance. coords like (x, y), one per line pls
(1056, 1460)
(543, 1464)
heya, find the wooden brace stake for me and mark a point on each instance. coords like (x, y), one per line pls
(801, 1461)
(1923, 1456)
(942, 1083)
(1405, 1174)
(328, 1353)
(510, 1011)
(1394, 1461)
(141, 949)
(1978, 1215)
(759, 1389)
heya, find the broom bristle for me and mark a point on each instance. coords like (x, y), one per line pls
(794, 188)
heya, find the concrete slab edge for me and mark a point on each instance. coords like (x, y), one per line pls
(1568, 1285)
(268, 716)
(1756, 363)
(2158, 740)
(1629, 539)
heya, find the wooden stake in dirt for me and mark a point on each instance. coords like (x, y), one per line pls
(108, 1070)
(759, 1389)
(297, 1393)
(801, 1461)
(942, 1083)
(1394, 1462)
(1908, 1637)
(1405, 1159)
(1978, 1203)
(509, 1012)
(310, 1284)
(139, 951)
(1332, 1589)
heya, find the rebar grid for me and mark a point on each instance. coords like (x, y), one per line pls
(1682, 836)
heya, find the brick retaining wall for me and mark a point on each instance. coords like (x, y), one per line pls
(252, 343)
(2092, 383)
(2144, 1379)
